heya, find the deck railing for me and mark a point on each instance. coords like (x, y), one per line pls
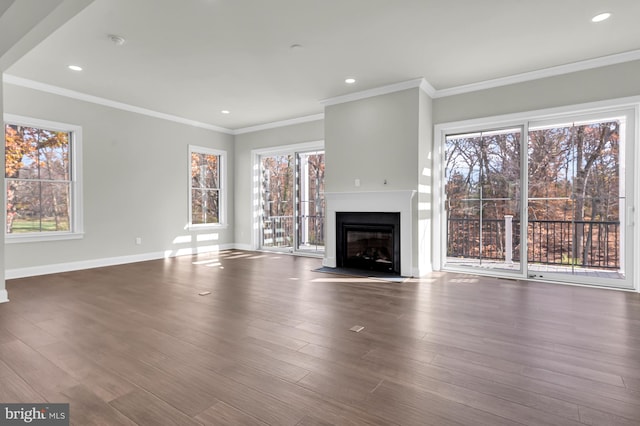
(277, 231)
(593, 244)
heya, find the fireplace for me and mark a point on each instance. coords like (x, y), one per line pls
(368, 240)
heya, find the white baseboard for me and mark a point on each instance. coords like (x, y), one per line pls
(33, 271)
(4, 296)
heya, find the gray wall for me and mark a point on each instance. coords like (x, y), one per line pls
(615, 81)
(135, 181)
(298, 133)
(373, 139)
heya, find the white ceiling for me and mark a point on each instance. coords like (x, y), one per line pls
(194, 58)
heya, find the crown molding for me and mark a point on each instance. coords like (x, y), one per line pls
(427, 88)
(282, 123)
(603, 61)
(43, 87)
(384, 90)
(421, 83)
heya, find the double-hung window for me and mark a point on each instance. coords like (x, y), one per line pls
(42, 180)
(207, 192)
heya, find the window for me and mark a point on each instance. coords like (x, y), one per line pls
(206, 197)
(41, 180)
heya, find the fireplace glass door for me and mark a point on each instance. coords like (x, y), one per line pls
(369, 248)
(368, 241)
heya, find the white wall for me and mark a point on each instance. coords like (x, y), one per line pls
(244, 143)
(135, 183)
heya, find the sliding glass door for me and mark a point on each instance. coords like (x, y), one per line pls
(561, 213)
(577, 198)
(291, 188)
(277, 201)
(482, 184)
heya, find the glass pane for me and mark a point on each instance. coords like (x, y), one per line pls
(211, 206)
(23, 206)
(21, 152)
(277, 200)
(205, 171)
(54, 206)
(310, 206)
(196, 179)
(211, 172)
(53, 155)
(550, 233)
(482, 178)
(205, 207)
(576, 199)
(197, 209)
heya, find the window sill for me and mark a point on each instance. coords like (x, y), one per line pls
(207, 226)
(38, 237)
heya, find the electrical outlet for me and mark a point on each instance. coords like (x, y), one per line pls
(138, 240)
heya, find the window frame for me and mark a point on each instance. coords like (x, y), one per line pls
(222, 190)
(76, 222)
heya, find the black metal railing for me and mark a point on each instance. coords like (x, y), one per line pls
(593, 244)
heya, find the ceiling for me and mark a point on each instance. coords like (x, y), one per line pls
(195, 58)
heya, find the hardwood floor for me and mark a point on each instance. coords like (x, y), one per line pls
(136, 344)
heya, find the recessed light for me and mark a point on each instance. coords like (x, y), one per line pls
(350, 80)
(601, 17)
(225, 111)
(75, 68)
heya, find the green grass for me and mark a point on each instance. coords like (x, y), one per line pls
(22, 226)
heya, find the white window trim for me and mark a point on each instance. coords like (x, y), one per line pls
(537, 117)
(77, 222)
(222, 221)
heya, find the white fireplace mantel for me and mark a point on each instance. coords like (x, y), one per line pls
(374, 201)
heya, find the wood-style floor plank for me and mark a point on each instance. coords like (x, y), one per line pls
(136, 344)
(225, 415)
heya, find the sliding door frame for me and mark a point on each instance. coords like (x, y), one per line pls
(256, 194)
(630, 106)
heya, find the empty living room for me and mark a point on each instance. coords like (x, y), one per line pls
(320, 213)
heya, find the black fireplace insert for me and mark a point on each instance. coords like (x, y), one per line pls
(368, 240)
